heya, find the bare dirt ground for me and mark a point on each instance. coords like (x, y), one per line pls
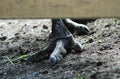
(19, 38)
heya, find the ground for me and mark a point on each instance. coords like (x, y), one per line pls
(20, 38)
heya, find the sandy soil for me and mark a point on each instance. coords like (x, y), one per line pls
(100, 60)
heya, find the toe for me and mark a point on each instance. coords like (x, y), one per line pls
(81, 30)
(86, 29)
(78, 48)
(53, 60)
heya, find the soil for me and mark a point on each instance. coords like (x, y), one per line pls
(21, 37)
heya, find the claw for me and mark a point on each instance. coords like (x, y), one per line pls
(86, 29)
(82, 29)
(53, 60)
(78, 47)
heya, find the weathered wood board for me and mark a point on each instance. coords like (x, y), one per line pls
(59, 8)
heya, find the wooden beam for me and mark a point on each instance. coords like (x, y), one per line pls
(59, 8)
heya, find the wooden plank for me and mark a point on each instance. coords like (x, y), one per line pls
(59, 8)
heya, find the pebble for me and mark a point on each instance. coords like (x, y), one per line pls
(3, 38)
(45, 27)
(34, 74)
(90, 41)
(68, 74)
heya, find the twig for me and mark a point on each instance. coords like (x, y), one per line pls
(15, 59)
(10, 60)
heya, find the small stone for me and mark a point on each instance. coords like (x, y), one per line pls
(119, 23)
(45, 71)
(90, 40)
(45, 27)
(3, 38)
(17, 34)
(10, 23)
(35, 26)
(99, 63)
(34, 74)
(1, 73)
(45, 77)
(68, 74)
(99, 52)
(119, 36)
(25, 25)
(108, 25)
(99, 41)
(1, 27)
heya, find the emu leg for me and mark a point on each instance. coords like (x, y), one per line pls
(65, 41)
(79, 29)
(63, 46)
(58, 51)
(61, 42)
